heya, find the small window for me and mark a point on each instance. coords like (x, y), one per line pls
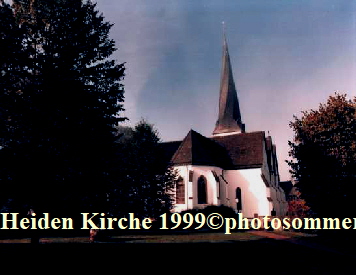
(180, 191)
(238, 199)
(202, 194)
(218, 189)
(190, 176)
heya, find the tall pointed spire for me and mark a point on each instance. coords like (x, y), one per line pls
(229, 120)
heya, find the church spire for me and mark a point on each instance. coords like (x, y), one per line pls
(229, 120)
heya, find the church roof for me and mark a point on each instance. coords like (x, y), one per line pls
(229, 119)
(169, 148)
(244, 149)
(238, 151)
(196, 149)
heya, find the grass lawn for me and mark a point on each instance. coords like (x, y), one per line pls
(181, 237)
(208, 237)
(259, 251)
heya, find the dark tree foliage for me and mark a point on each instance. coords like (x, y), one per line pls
(11, 66)
(57, 129)
(12, 79)
(324, 152)
(146, 181)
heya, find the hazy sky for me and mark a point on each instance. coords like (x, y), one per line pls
(287, 56)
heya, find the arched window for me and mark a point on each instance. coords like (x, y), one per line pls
(202, 196)
(238, 199)
(180, 191)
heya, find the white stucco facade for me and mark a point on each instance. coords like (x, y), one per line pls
(258, 199)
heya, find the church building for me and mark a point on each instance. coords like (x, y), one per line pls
(233, 167)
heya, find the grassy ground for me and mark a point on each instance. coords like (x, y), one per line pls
(253, 251)
(150, 238)
(180, 237)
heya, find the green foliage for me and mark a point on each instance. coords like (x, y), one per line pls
(60, 99)
(324, 152)
(146, 182)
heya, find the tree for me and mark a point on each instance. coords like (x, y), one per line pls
(297, 206)
(324, 152)
(146, 182)
(10, 61)
(58, 138)
(12, 76)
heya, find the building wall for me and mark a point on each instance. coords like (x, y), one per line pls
(191, 186)
(257, 198)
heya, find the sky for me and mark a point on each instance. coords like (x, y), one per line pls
(287, 56)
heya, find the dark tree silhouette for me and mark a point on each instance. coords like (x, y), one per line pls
(146, 182)
(324, 152)
(57, 128)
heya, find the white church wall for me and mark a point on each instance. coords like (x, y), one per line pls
(191, 187)
(254, 191)
(211, 187)
(277, 194)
